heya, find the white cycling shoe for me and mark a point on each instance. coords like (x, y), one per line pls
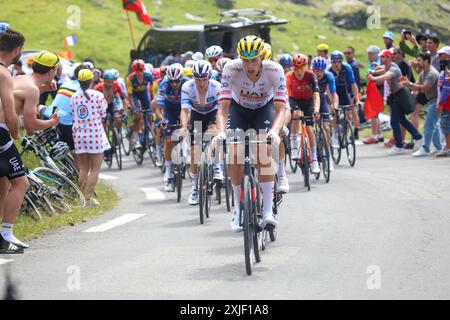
(315, 167)
(270, 218)
(234, 223)
(283, 185)
(193, 198)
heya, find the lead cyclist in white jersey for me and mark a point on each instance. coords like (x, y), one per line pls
(253, 96)
(200, 98)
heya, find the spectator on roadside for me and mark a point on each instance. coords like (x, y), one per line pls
(88, 107)
(186, 57)
(432, 47)
(444, 99)
(388, 38)
(350, 57)
(419, 43)
(59, 79)
(169, 59)
(17, 69)
(375, 69)
(428, 84)
(399, 96)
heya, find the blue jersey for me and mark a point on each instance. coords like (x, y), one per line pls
(327, 81)
(167, 95)
(372, 67)
(344, 80)
(134, 86)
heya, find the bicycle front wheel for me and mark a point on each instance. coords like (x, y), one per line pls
(350, 144)
(247, 212)
(118, 148)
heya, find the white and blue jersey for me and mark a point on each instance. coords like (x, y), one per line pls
(190, 98)
(215, 75)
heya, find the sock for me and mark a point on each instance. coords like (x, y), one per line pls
(217, 166)
(158, 150)
(267, 195)
(281, 168)
(314, 153)
(237, 197)
(294, 141)
(194, 181)
(7, 234)
(136, 136)
(169, 168)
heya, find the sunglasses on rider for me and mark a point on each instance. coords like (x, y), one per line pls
(174, 81)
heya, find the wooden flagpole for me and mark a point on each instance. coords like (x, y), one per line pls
(131, 31)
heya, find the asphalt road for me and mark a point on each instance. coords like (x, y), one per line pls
(379, 230)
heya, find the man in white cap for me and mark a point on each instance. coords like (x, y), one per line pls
(388, 37)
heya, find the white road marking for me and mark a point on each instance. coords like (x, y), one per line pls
(153, 194)
(5, 261)
(107, 177)
(126, 218)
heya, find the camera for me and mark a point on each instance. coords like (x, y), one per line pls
(407, 34)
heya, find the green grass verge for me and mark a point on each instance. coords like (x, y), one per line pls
(26, 228)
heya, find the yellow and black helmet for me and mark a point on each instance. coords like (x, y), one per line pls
(250, 47)
(267, 51)
(46, 59)
(85, 75)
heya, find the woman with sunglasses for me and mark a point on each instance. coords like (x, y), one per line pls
(168, 108)
(200, 98)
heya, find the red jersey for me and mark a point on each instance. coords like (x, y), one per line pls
(302, 89)
(116, 89)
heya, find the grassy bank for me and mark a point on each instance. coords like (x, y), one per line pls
(26, 228)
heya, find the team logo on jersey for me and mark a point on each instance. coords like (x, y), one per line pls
(82, 111)
(282, 87)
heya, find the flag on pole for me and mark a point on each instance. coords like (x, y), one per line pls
(374, 103)
(143, 16)
(140, 9)
(70, 40)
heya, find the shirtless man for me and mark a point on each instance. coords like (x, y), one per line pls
(13, 182)
(27, 89)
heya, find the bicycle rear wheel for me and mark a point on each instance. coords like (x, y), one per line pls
(209, 189)
(202, 192)
(179, 182)
(325, 154)
(118, 148)
(336, 152)
(350, 143)
(305, 165)
(246, 211)
(30, 208)
(126, 139)
(65, 188)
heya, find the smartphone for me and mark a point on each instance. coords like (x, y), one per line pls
(54, 109)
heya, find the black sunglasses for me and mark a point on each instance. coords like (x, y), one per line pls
(174, 81)
(348, 53)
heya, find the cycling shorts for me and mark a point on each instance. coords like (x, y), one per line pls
(307, 108)
(144, 99)
(172, 115)
(65, 135)
(11, 165)
(324, 109)
(245, 118)
(206, 120)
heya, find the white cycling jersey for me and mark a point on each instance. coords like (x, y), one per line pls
(253, 95)
(190, 98)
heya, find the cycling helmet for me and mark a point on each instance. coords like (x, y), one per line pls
(175, 72)
(221, 64)
(59, 151)
(323, 47)
(299, 60)
(337, 55)
(138, 65)
(286, 60)
(46, 59)
(213, 52)
(197, 56)
(163, 70)
(149, 67)
(156, 73)
(267, 51)
(373, 49)
(250, 47)
(319, 63)
(202, 69)
(88, 65)
(189, 63)
(116, 73)
(109, 74)
(85, 75)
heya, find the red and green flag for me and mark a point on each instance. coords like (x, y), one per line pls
(140, 9)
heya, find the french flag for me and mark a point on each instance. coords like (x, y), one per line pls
(70, 40)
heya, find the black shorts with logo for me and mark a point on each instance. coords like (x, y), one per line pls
(65, 135)
(205, 119)
(307, 106)
(11, 165)
(260, 119)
